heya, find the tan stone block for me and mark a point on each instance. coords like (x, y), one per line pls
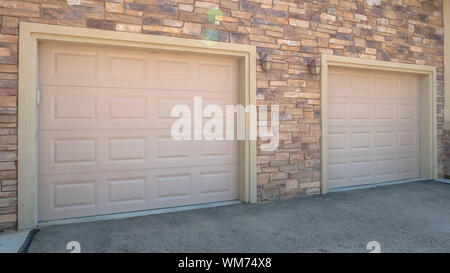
(267, 2)
(416, 49)
(192, 28)
(113, 7)
(345, 30)
(4, 51)
(161, 29)
(6, 218)
(7, 166)
(309, 185)
(360, 42)
(8, 155)
(122, 18)
(9, 188)
(241, 14)
(299, 23)
(297, 83)
(279, 175)
(339, 42)
(371, 51)
(262, 84)
(262, 38)
(8, 139)
(308, 42)
(294, 127)
(8, 174)
(10, 101)
(309, 95)
(360, 17)
(8, 202)
(365, 56)
(291, 184)
(327, 17)
(8, 68)
(172, 23)
(379, 38)
(9, 182)
(12, 22)
(263, 178)
(387, 29)
(263, 159)
(128, 27)
(294, 111)
(184, 7)
(281, 156)
(278, 83)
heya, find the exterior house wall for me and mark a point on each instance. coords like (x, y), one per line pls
(446, 133)
(293, 34)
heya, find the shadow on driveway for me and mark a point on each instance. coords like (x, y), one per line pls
(410, 217)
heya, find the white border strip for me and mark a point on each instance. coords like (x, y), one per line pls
(134, 214)
(443, 180)
(360, 187)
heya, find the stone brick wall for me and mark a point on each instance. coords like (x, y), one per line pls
(445, 155)
(293, 33)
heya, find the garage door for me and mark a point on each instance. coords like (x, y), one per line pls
(373, 125)
(104, 131)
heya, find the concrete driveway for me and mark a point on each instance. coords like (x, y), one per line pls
(410, 217)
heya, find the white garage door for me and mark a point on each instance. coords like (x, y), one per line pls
(373, 125)
(104, 131)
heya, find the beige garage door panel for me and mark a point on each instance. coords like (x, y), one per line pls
(104, 131)
(373, 120)
(104, 150)
(70, 65)
(109, 108)
(83, 194)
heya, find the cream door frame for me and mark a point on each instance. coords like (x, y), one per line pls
(29, 36)
(427, 111)
(446, 15)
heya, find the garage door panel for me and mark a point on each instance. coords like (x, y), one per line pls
(172, 72)
(122, 149)
(97, 194)
(72, 65)
(218, 75)
(105, 141)
(373, 127)
(127, 107)
(174, 186)
(194, 183)
(126, 66)
(194, 73)
(60, 153)
(168, 149)
(373, 110)
(109, 150)
(407, 88)
(68, 107)
(340, 83)
(68, 65)
(374, 168)
(131, 190)
(91, 151)
(109, 108)
(66, 196)
(359, 83)
(363, 169)
(384, 86)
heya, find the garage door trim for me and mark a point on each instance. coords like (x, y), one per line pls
(29, 37)
(427, 109)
